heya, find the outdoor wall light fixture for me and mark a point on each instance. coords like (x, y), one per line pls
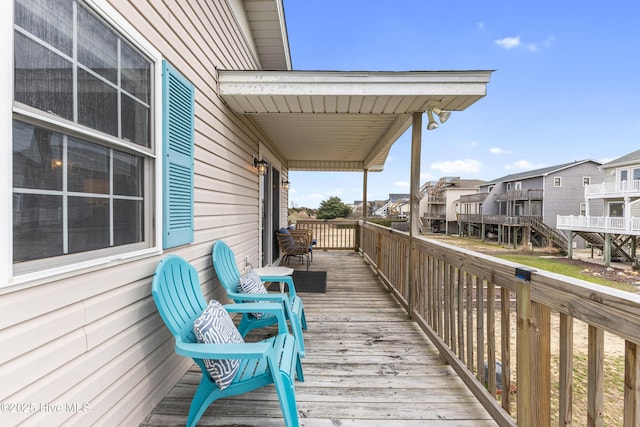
(432, 122)
(285, 184)
(261, 165)
(442, 115)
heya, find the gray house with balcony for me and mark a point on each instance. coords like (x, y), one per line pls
(611, 215)
(523, 207)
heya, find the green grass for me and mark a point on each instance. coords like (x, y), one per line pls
(566, 269)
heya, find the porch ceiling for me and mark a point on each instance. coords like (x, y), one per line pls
(343, 121)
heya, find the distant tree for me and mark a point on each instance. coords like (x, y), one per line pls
(333, 208)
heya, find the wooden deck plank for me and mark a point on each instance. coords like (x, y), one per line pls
(367, 364)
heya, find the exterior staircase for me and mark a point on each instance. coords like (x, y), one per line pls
(597, 240)
(551, 235)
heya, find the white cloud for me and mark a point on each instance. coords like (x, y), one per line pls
(514, 42)
(402, 184)
(509, 42)
(453, 166)
(335, 192)
(480, 26)
(498, 150)
(524, 165)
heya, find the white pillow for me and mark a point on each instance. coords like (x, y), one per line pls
(214, 326)
(250, 283)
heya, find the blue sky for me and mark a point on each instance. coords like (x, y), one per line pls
(566, 85)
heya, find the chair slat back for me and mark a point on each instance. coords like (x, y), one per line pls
(178, 296)
(224, 262)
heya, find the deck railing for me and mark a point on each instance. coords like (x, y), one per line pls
(331, 234)
(598, 223)
(493, 324)
(613, 188)
(498, 219)
(530, 194)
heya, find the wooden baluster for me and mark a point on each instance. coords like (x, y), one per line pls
(491, 337)
(540, 335)
(460, 295)
(480, 329)
(447, 305)
(631, 385)
(469, 302)
(523, 355)
(439, 296)
(565, 415)
(595, 384)
(505, 333)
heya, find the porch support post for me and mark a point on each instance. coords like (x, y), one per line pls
(607, 249)
(416, 145)
(627, 214)
(365, 203)
(570, 245)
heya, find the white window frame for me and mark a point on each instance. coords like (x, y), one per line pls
(586, 180)
(583, 209)
(557, 181)
(518, 185)
(7, 112)
(508, 186)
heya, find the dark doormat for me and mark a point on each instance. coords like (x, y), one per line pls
(306, 281)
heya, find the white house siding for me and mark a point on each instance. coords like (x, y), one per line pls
(94, 337)
(453, 195)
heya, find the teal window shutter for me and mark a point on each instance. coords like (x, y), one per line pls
(178, 103)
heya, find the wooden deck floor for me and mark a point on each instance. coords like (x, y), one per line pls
(366, 365)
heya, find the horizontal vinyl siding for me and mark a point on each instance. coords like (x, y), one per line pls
(95, 338)
(566, 200)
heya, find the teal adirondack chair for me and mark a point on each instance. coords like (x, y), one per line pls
(224, 263)
(178, 297)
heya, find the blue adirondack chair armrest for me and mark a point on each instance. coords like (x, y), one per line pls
(285, 304)
(281, 279)
(270, 308)
(224, 351)
(257, 297)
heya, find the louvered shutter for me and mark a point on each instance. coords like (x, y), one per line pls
(178, 100)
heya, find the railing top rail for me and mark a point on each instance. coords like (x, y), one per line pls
(330, 221)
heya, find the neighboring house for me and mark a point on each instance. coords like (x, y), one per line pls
(383, 211)
(400, 208)
(358, 206)
(523, 207)
(610, 217)
(392, 207)
(439, 205)
(137, 129)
